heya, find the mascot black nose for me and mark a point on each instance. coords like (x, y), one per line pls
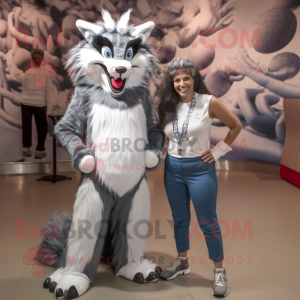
(121, 70)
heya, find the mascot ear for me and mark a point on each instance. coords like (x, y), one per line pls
(88, 29)
(142, 31)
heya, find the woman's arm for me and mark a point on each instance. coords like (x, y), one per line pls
(219, 111)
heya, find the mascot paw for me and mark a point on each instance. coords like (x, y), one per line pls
(87, 164)
(71, 285)
(151, 159)
(141, 272)
(51, 282)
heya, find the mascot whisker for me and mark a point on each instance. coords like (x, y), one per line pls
(110, 131)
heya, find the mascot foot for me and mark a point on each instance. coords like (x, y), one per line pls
(139, 278)
(71, 293)
(158, 270)
(72, 285)
(141, 272)
(51, 282)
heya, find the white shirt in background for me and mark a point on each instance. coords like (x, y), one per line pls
(35, 84)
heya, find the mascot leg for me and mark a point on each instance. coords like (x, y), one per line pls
(70, 282)
(135, 266)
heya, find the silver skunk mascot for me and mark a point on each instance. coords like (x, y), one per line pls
(110, 130)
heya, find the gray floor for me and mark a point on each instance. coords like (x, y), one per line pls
(263, 266)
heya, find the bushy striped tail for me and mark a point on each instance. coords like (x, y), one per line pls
(52, 251)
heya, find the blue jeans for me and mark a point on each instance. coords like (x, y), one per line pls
(187, 178)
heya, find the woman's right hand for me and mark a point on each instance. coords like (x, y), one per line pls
(207, 157)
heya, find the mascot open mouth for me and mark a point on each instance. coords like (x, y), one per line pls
(117, 85)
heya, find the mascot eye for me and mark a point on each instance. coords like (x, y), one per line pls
(106, 52)
(129, 54)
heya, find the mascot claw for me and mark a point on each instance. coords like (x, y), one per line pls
(144, 272)
(152, 277)
(67, 286)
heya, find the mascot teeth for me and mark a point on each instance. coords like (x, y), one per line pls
(117, 83)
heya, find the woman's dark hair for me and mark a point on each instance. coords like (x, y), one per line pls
(167, 94)
(37, 56)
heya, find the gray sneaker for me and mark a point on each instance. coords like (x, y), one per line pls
(179, 267)
(220, 284)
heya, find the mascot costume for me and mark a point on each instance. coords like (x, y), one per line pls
(110, 130)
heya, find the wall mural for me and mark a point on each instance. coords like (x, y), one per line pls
(246, 50)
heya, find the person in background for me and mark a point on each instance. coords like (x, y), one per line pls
(35, 89)
(186, 111)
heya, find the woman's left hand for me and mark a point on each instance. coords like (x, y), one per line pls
(207, 157)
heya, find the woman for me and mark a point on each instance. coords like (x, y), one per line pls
(186, 112)
(35, 88)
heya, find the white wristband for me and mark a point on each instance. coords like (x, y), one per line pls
(220, 149)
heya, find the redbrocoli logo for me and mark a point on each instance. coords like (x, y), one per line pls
(35, 257)
(40, 257)
(100, 166)
(180, 37)
(84, 228)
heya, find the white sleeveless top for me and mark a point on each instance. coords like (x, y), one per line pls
(197, 138)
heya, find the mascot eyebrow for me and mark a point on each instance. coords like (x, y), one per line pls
(135, 44)
(99, 41)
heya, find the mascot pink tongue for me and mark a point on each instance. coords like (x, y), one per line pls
(117, 83)
(113, 195)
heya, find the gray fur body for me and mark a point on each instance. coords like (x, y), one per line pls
(93, 116)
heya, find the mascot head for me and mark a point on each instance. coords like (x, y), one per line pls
(114, 55)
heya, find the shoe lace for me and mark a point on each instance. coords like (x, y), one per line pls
(176, 263)
(220, 279)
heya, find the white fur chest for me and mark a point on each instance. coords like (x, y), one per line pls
(119, 138)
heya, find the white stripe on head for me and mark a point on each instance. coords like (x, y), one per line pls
(109, 22)
(122, 25)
